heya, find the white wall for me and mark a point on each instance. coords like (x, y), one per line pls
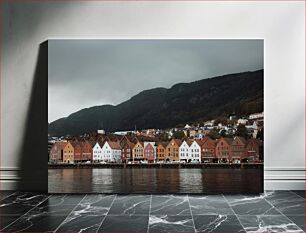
(280, 24)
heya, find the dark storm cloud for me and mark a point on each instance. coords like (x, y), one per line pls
(85, 73)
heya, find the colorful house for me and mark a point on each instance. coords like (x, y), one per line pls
(172, 150)
(195, 152)
(111, 152)
(237, 149)
(78, 151)
(138, 151)
(161, 151)
(184, 151)
(57, 152)
(68, 153)
(97, 151)
(149, 151)
(126, 149)
(87, 153)
(223, 149)
(208, 149)
(252, 149)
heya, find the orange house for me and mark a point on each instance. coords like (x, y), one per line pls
(161, 151)
(172, 150)
(68, 153)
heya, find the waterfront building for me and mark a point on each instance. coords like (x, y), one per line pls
(238, 149)
(223, 149)
(149, 151)
(195, 152)
(161, 151)
(57, 152)
(208, 150)
(172, 150)
(97, 152)
(87, 154)
(184, 151)
(78, 151)
(68, 153)
(138, 151)
(252, 149)
(126, 149)
(111, 152)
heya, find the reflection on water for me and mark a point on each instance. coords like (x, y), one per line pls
(155, 180)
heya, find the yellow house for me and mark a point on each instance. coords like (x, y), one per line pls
(172, 150)
(137, 152)
(68, 153)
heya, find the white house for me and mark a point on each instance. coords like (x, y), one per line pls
(111, 152)
(97, 152)
(184, 152)
(195, 152)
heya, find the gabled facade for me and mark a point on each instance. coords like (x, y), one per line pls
(68, 153)
(252, 149)
(111, 152)
(126, 149)
(87, 154)
(138, 151)
(195, 152)
(57, 152)
(97, 152)
(184, 151)
(77, 151)
(149, 151)
(223, 149)
(238, 149)
(172, 150)
(208, 149)
(161, 151)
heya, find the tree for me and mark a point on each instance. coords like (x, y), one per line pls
(242, 131)
(163, 136)
(178, 135)
(213, 134)
(220, 119)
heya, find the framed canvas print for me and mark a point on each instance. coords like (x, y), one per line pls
(155, 116)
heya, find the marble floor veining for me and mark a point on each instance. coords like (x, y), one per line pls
(272, 211)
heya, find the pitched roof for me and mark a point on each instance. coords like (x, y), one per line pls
(228, 140)
(114, 145)
(242, 139)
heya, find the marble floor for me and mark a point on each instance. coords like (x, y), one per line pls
(273, 211)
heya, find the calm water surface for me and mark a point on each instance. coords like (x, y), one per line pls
(155, 180)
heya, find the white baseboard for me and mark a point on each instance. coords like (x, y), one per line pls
(275, 178)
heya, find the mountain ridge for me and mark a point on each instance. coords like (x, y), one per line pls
(166, 107)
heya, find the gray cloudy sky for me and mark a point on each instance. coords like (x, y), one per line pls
(85, 73)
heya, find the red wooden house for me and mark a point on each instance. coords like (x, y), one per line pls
(149, 152)
(252, 149)
(223, 149)
(238, 149)
(126, 149)
(77, 151)
(57, 152)
(86, 151)
(208, 149)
